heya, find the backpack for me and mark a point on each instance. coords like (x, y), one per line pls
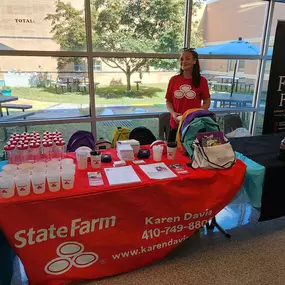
(80, 138)
(197, 125)
(121, 134)
(143, 135)
(103, 144)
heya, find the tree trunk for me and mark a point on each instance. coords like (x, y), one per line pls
(128, 75)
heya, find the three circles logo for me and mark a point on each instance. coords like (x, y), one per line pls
(70, 254)
(185, 91)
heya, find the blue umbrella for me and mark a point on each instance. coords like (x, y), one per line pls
(238, 47)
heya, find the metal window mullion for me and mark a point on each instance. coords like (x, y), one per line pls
(43, 53)
(262, 64)
(188, 22)
(88, 22)
(122, 54)
(45, 122)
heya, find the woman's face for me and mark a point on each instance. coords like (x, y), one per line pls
(187, 60)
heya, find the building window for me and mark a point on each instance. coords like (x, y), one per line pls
(240, 65)
(97, 65)
(79, 67)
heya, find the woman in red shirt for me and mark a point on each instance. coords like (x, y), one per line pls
(186, 90)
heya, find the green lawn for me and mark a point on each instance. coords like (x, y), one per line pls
(150, 94)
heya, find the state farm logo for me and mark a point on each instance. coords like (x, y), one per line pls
(70, 254)
(185, 90)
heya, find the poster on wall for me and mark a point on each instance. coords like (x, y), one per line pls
(274, 117)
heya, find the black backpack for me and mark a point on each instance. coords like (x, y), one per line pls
(143, 135)
(80, 138)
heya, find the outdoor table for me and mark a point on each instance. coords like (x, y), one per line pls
(92, 232)
(240, 99)
(5, 99)
(230, 78)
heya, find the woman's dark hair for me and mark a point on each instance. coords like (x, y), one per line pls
(196, 76)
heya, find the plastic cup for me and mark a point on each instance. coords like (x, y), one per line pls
(157, 151)
(53, 168)
(53, 163)
(67, 179)
(81, 157)
(68, 167)
(38, 180)
(66, 161)
(25, 166)
(40, 164)
(10, 169)
(53, 179)
(7, 186)
(23, 184)
(171, 150)
(95, 157)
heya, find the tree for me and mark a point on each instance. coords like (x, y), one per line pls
(154, 26)
(68, 29)
(196, 31)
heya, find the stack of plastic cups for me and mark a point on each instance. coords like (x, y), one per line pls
(23, 152)
(26, 167)
(38, 178)
(10, 169)
(7, 186)
(23, 183)
(17, 158)
(157, 151)
(81, 157)
(67, 175)
(35, 151)
(53, 164)
(56, 154)
(11, 153)
(39, 142)
(66, 161)
(53, 179)
(60, 147)
(47, 150)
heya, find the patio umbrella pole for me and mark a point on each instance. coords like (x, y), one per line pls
(233, 82)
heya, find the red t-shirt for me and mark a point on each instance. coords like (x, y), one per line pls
(183, 95)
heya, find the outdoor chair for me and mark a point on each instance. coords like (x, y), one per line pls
(246, 85)
(61, 83)
(83, 84)
(231, 123)
(163, 126)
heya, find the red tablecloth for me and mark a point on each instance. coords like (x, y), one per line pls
(92, 232)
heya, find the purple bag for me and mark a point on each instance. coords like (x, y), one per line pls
(192, 116)
(80, 138)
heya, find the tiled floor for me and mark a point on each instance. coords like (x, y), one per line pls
(253, 256)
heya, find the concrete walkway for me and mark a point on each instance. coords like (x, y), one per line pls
(62, 110)
(67, 110)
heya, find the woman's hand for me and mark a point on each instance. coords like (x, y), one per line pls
(175, 116)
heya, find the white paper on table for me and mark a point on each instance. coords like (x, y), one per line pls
(157, 171)
(121, 175)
